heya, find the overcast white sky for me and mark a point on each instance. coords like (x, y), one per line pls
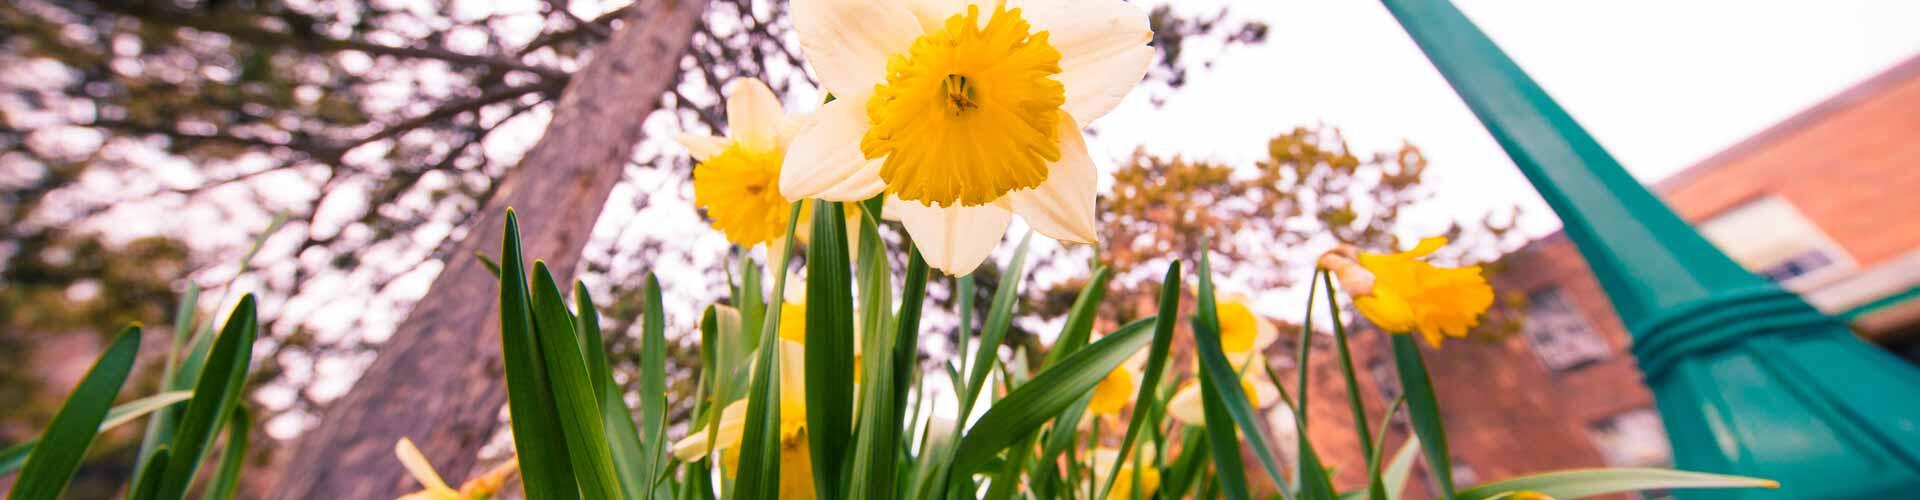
(1662, 84)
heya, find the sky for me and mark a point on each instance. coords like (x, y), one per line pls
(1661, 84)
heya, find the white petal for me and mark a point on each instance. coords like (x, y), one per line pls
(1103, 50)
(933, 14)
(1185, 406)
(848, 41)
(753, 115)
(826, 159)
(953, 239)
(703, 146)
(1062, 207)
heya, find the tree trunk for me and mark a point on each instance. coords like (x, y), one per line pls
(438, 380)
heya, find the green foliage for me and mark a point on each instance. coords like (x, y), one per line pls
(50, 466)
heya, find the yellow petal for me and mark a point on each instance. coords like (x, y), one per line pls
(793, 383)
(825, 161)
(954, 239)
(1062, 207)
(753, 115)
(1427, 246)
(1113, 392)
(418, 466)
(702, 146)
(1103, 50)
(847, 42)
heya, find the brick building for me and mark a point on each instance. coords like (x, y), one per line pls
(1824, 203)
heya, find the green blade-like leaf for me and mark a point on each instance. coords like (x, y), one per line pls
(1395, 478)
(653, 379)
(1078, 329)
(233, 456)
(13, 457)
(829, 348)
(622, 437)
(50, 467)
(1423, 408)
(160, 428)
(1181, 474)
(994, 331)
(1354, 404)
(1225, 381)
(1582, 483)
(1156, 368)
(545, 470)
(759, 473)
(215, 395)
(1223, 441)
(1025, 409)
(149, 486)
(574, 394)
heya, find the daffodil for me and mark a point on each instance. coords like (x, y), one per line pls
(737, 179)
(1124, 486)
(1403, 294)
(1185, 405)
(1116, 390)
(1243, 333)
(965, 113)
(434, 488)
(796, 466)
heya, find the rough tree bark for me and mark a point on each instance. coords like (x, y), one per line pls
(438, 380)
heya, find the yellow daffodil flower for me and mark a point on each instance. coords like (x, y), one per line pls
(796, 466)
(1244, 334)
(1113, 393)
(965, 113)
(1185, 405)
(737, 179)
(434, 488)
(1403, 294)
(1123, 486)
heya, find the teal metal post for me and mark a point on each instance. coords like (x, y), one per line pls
(1749, 378)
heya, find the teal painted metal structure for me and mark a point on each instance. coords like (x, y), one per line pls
(1750, 379)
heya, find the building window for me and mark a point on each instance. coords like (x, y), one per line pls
(1632, 439)
(1772, 239)
(1559, 334)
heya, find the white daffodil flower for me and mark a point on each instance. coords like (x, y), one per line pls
(964, 112)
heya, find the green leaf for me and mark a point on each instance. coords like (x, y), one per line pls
(1423, 408)
(653, 380)
(149, 486)
(1181, 474)
(829, 348)
(622, 437)
(232, 458)
(999, 320)
(759, 470)
(1395, 478)
(1221, 438)
(1224, 382)
(576, 399)
(1581, 483)
(1361, 428)
(50, 467)
(1155, 369)
(1078, 329)
(1026, 408)
(160, 428)
(13, 457)
(215, 395)
(546, 471)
